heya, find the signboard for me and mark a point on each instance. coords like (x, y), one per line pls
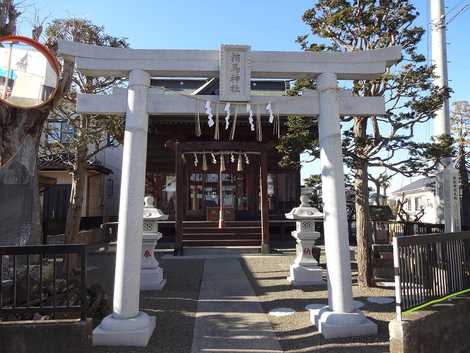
(235, 73)
(448, 178)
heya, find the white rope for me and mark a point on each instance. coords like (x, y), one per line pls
(197, 123)
(234, 124)
(218, 153)
(217, 123)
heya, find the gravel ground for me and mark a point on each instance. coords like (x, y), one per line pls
(295, 332)
(174, 307)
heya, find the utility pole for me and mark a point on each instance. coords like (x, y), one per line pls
(447, 183)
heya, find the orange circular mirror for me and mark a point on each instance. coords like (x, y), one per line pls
(29, 73)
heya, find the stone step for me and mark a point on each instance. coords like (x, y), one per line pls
(215, 236)
(192, 230)
(236, 224)
(222, 242)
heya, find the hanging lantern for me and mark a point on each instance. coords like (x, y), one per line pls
(222, 163)
(240, 164)
(204, 162)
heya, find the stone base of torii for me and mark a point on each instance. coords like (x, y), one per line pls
(127, 326)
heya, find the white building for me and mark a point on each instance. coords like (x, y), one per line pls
(420, 196)
(31, 78)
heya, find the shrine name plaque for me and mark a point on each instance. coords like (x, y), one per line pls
(235, 73)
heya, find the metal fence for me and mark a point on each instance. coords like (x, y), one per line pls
(429, 267)
(398, 228)
(43, 279)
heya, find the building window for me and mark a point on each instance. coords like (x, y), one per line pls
(46, 92)
(59, 132)
(419, 203)
(429, 203)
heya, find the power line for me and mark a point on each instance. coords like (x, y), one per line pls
(460, 12)
(454, 7)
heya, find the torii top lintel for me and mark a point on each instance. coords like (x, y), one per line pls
(105, 61)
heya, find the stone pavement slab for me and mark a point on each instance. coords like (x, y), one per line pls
(229, 317)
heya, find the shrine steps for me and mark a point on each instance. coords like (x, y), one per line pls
(236, 233)
(215, 224)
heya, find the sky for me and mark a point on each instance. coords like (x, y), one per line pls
(263, 24)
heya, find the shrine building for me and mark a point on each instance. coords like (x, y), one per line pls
(238, 170)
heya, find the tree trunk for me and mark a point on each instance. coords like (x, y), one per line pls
(20, 133)
(463, 174)
(79, 175)
(364, 277)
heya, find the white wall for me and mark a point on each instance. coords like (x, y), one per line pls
(427, 199)
(111, 158)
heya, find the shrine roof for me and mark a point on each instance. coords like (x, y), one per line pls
(210, 86)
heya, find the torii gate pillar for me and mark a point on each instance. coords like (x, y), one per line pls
(127, 326)
(339, 318)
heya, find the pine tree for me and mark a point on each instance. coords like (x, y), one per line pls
(411, 98)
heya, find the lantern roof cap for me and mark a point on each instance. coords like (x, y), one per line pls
(304, 211)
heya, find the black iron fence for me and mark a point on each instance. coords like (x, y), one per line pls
(43, 279)
(429, 267)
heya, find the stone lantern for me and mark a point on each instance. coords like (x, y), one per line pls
(151, 274)
(305, 269)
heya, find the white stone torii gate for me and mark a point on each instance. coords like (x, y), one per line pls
(127, 325)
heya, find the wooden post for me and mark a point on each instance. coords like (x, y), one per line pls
(263, 173)
(179, 211)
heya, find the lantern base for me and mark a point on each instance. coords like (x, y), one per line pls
(152, 279)
(304, 276)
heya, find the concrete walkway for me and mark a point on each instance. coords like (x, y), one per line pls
(229, 317)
